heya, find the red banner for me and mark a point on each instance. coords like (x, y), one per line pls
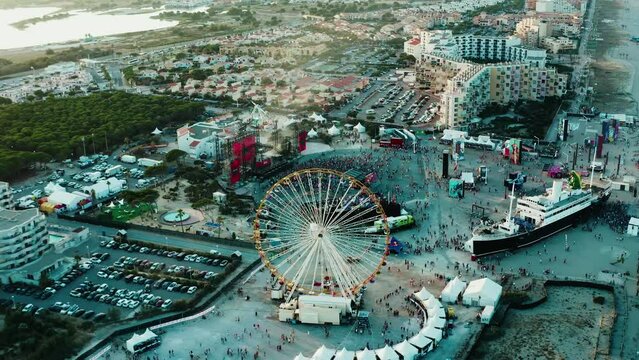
(235, 171)
(301, 141)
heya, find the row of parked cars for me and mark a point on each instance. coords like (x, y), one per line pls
(29, 290)
(118, 297)
(59, 308)
(160, 284)
(213, 261)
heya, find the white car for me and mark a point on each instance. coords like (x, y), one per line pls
(102, 274)
(192, 290)
(133, 304)
(27, 308)
(166, 303)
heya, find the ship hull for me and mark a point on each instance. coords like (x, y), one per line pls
(509, 243)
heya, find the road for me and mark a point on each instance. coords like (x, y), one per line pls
(580, 67)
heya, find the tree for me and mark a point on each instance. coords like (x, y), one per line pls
(180, 214)
(45, 281)
(5, 101)
(113, 314)
(175, 155)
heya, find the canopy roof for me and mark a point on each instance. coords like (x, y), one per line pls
(407, 350)
(360, 128)
(437, 322)
(423, 294)
(453, 289)
(136, 339)
(366, 354)
(420, 341)
(323, 353)
(387, 353)
(432, 333)
(317, 118)
(484, 289)
(344, 355)
(333, 130)
(156, 131)
(312, 133)
(301, 357)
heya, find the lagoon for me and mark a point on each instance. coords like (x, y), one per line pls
(72, 28)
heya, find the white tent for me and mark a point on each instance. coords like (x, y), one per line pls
(436, 322)
(147, 336)
(68, 199)
(482, 292)
(423, 294)
(111, 205)
(421, 342)
(452, 290)
(53, 187)
(301, 357)
(99, 190)
(387, 353)
(219, 197)
(487, 314)
(323, 353)
(317, 118)
(311, 134)
(156, 131)
(408, 351)
(432, 303)
(360, 128)
(432, 333)
(366, 354)
(333, 131)
(344, 355)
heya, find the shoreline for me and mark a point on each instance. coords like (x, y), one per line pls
(616, 60)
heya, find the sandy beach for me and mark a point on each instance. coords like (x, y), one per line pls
(616, 57)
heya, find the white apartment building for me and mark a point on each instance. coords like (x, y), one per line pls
(556, 44)
(469, 46)
(6, 196)
(561, 6)
(23, 237)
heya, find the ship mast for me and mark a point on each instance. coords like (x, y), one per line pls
(592, 168)
(510, 209)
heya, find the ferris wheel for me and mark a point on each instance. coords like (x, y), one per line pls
(321, 231)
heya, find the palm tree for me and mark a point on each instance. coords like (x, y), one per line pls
(180, 214)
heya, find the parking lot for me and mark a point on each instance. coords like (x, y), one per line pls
(128, 278)
(73, 177)
(392, 102)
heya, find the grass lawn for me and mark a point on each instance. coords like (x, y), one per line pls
(127, 212)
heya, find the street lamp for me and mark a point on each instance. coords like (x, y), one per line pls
(537, 143)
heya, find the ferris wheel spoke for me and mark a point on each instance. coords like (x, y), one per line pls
(368, 216)
(294, 203)
(298, 196)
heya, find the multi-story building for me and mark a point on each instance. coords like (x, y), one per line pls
(23, 237)
(561, 6)
(470, 91)
(469, 46)
(556, 44)
(532, 31)
(466, 87)
(6, 196)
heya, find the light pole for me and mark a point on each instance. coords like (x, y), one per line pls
(537, 143)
